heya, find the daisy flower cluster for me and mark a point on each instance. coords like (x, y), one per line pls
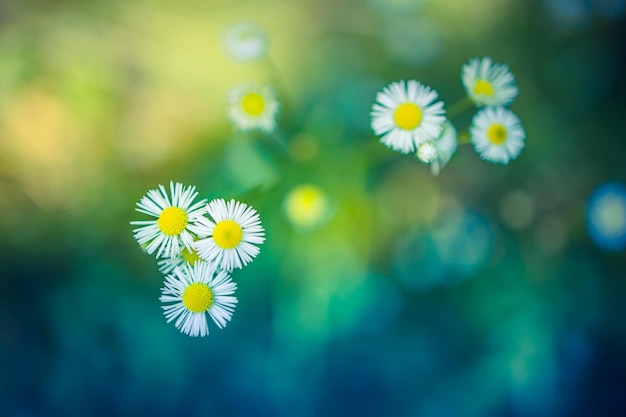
(198, 245)
(409, 118)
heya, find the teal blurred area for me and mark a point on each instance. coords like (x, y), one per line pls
(474, 293)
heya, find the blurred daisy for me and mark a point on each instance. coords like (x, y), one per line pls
(245, 41)
(253, 107)
(438, 152)
(307, 206)
(170, 231)
(488, 83)
(229, 237)
(606, 216)
(497, 135)
(406, 115)
(184, 257)
(193, 291)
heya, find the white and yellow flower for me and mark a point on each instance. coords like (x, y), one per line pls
(192, 292)
(170, 231)
(497, 135)
(245, 41)
(229, 237)
(406, 115)
(438, 152)
(488, 83)
(253, 107)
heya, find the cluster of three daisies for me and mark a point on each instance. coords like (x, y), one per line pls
(198, 245)
(409, 119)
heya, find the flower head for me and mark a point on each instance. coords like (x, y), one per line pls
(606, 216)
(191, 292)
(406, 115)
(427, 152)
(170, 231)
(497, 135)
(229, 237)
(488, 83)
(253, 107)
(245, 41)
(439, 151)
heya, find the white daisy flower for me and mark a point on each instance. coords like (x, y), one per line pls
(191, 292)
(406, 115)
(253, 107)
(438, 152)
(245, 41)
(170, 231)
(497, 135)
(187, 256)
(488, 83)
(229, 237)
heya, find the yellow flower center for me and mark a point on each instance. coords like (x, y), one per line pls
(197, 297)
(496, 133)
(253, 104)
(172, 221)
(483, 87)
(190, 256)
(227, 234)
(407, 116)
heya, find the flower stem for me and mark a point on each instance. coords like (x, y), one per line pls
(459, 107)
(277, 78)
(464, 138)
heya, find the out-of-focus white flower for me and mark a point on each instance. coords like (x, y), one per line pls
(253, 107)
(497, 135)
(246, 41)
(439, 151)
(488, 83)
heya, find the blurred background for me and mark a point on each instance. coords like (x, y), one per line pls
(381, 290)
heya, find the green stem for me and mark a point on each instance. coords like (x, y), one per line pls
(280, 87)
(459, 107)
(464, 138)
(277, 77)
